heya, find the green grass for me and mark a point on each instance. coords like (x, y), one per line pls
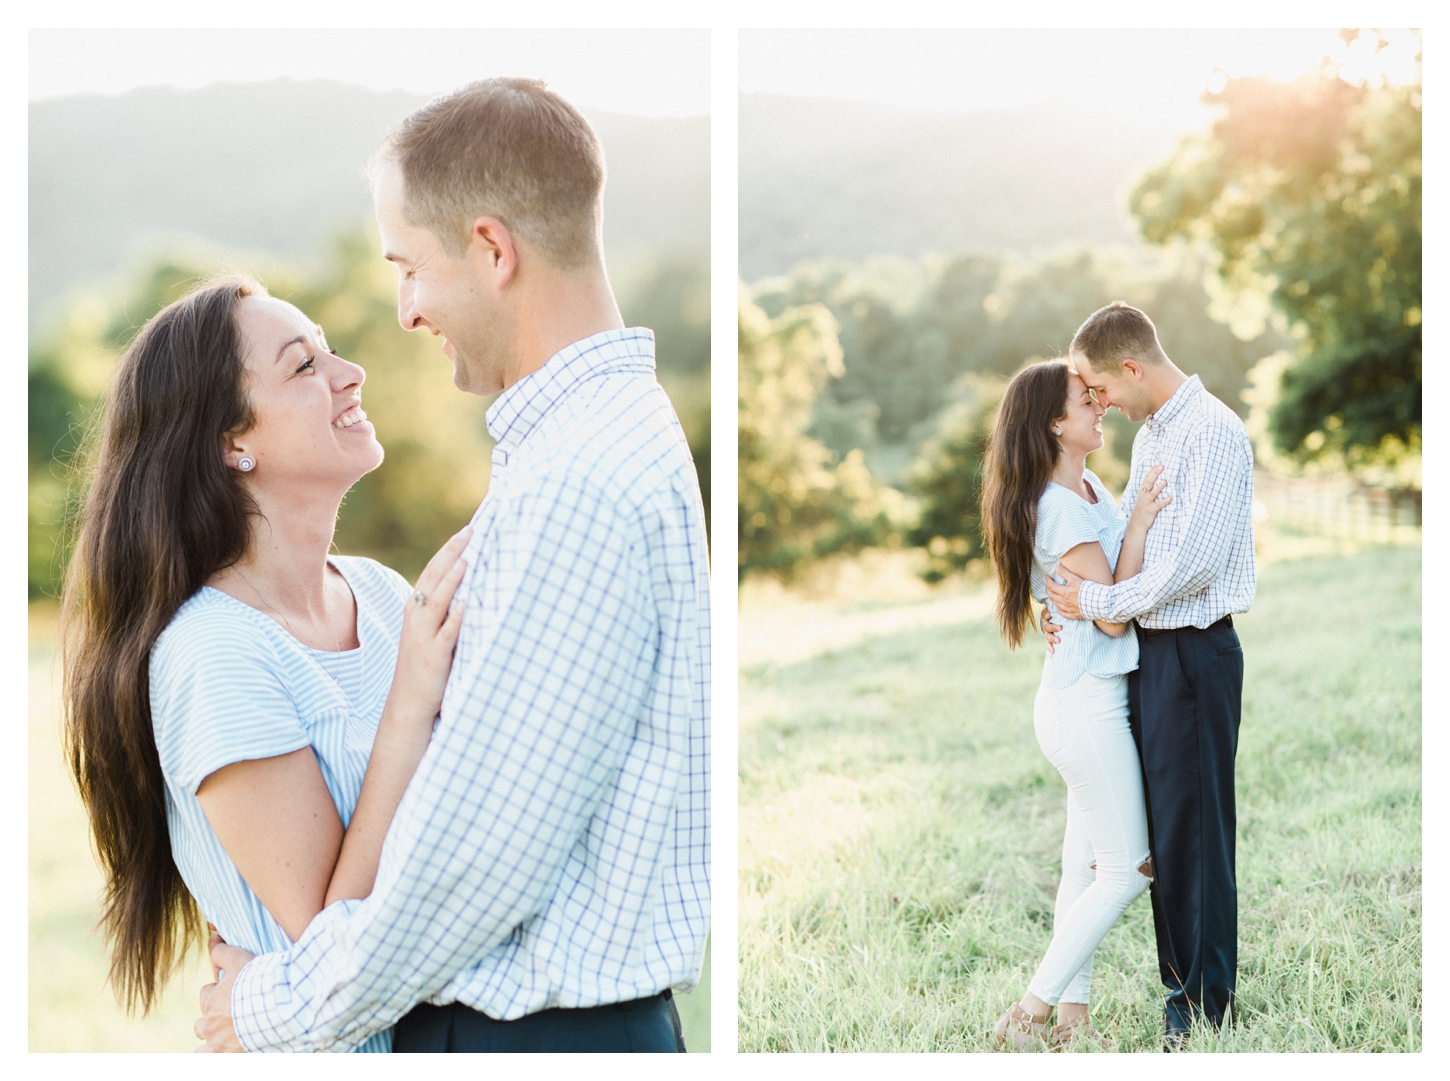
(900, 835)
(70, 1006)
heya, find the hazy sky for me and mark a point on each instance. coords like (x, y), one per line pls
(641, 72)
(1151, 71)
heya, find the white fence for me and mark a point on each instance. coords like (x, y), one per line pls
(1337, 507)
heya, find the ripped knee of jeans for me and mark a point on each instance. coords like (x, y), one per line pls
(1145, 868)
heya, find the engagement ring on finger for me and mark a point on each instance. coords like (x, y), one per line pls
(420, 598)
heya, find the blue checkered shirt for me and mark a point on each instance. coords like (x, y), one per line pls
(1198, 564)
(553, 848)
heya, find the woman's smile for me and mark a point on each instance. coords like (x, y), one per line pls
(351, 417)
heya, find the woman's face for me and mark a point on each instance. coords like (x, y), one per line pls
(1082, 425)
(310, 430)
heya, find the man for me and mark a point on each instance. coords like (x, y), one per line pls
(1184, 699)
(545, 881)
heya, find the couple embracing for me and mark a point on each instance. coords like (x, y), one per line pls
(469, 814)
(1139, 703)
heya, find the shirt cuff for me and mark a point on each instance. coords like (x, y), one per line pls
(258, 1009)
(1093, 600)
(276, 1004)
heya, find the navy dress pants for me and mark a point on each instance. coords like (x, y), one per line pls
(646, 1024)
(1184, 704)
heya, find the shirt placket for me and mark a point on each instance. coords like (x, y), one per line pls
(1153, 447)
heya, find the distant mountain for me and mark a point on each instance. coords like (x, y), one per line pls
(277, 167)
(835, 179)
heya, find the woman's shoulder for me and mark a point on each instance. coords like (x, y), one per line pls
(1064, 520)
(1105, 497)
(224, 688)
(1058, 501)
(377, 583)
(210, 619)
(217, 645)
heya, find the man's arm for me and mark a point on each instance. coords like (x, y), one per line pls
(1211, 490)
(536, 722)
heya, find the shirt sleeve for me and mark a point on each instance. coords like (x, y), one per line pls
(396, 582)
(1063, 522)
(1213, 485)
(382, 584)
(554, 668)
(218, 698)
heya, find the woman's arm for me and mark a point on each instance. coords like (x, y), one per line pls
(1145, 509)
(275, 816)
(403, 733)
(277, 822)
(1089, 561)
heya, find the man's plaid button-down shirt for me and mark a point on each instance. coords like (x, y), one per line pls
(553, 848)
(1198, 563)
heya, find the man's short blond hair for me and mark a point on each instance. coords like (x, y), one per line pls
(1115, 333)
(504, 148)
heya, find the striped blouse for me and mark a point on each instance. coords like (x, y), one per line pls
(1065, 520)
(229, 684)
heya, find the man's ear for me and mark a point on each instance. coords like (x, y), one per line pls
(491, 247)
(1132, 366)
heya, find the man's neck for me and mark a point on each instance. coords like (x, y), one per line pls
(559, 310)
(1163, 382)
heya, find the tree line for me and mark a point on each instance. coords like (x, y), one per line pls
(1283, 267)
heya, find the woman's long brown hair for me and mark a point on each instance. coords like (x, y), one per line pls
(160, 515)
(1021, 455)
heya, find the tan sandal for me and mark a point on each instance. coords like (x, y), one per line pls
(1063, 1035)
(1018, 1030)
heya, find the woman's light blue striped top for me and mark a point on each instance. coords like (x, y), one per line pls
(1065, 520)
(230, 684)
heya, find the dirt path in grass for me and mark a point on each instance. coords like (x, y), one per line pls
(790, 632)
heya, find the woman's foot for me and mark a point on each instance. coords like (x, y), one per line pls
(1018, 1030)
(1078, 1028)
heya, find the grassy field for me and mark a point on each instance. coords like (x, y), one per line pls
(70, 1006)
(900, 834)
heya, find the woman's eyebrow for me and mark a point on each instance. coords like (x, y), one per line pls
(299, 340)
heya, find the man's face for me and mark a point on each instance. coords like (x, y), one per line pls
(441, 292)
(1122, 389)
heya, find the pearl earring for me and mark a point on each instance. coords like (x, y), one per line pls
(246, 465)
(1057, 431)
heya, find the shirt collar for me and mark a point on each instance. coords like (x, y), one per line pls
(519, 409)
(1189, 389)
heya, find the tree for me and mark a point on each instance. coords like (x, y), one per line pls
(947, 477)
(1310, 191)
(910, 330)
(798, 503)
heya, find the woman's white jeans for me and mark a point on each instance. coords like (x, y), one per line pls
(1083, 730)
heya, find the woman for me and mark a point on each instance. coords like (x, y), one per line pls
(242, 711)
(1042, 506)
